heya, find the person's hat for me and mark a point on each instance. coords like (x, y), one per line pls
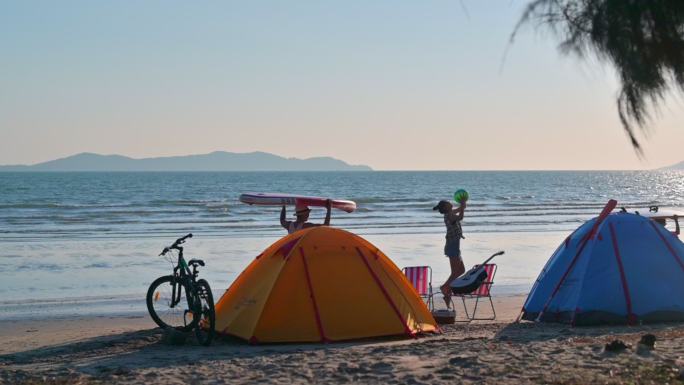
(441, 205)
(301, 209)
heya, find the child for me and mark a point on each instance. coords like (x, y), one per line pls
(452, 248)
(302, 213)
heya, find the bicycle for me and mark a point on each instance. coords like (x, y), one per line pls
(180, 300)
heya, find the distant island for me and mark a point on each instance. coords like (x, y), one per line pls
(215, 161)
(678, 166)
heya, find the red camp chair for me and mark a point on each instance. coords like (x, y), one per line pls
(421, 279)
(483, 291)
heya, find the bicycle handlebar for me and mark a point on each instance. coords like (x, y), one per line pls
(182, 239)
(175, 244)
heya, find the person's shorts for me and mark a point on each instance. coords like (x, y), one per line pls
(452, 248)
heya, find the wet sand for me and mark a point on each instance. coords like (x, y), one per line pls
(130, 350)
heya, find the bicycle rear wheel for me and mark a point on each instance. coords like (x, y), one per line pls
(168, 303)
(206, 318)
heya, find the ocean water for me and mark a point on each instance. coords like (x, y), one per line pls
(74, 243)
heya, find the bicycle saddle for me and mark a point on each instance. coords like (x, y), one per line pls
(194, 262)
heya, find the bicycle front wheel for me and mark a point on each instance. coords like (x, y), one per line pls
(168, 303)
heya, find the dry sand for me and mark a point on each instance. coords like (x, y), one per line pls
(129, 350)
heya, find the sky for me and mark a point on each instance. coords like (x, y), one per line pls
(394, 84)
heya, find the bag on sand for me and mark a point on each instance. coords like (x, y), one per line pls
(444, 316)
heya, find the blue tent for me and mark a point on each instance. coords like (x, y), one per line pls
(618, 268)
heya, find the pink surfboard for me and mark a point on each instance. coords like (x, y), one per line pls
(275, 199)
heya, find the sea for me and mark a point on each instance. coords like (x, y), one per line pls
(87, 243)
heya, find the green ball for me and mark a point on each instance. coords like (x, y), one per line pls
(461, 196)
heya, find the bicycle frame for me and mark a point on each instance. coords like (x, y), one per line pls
(182, 271)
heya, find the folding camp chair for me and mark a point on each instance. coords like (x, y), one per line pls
(483, 291)
(421, 279)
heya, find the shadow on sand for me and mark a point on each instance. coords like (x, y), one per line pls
(525, 332)
(145, 349)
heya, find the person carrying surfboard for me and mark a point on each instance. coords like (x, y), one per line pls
(452, 248)
(302, 214)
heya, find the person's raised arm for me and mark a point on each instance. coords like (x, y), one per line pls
(283, 222)
(676, 218)
(457, 213)
(328, 206)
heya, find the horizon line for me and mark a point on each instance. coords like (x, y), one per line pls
(350, 171)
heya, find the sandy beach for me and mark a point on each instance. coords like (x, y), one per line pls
(131, 350)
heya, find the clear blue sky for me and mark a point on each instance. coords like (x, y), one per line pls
(394, 84)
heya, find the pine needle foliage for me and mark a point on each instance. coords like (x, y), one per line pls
(642, 39)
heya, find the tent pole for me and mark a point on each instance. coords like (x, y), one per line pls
(623, 277)
(667, 244)
(394, 307)
(319, 322)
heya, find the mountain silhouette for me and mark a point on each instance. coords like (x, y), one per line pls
(678, 166)
(215, 161)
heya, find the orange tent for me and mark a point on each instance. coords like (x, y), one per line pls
(318, 285)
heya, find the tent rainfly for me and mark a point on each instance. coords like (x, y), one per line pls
(617, 268)
(319, 285)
